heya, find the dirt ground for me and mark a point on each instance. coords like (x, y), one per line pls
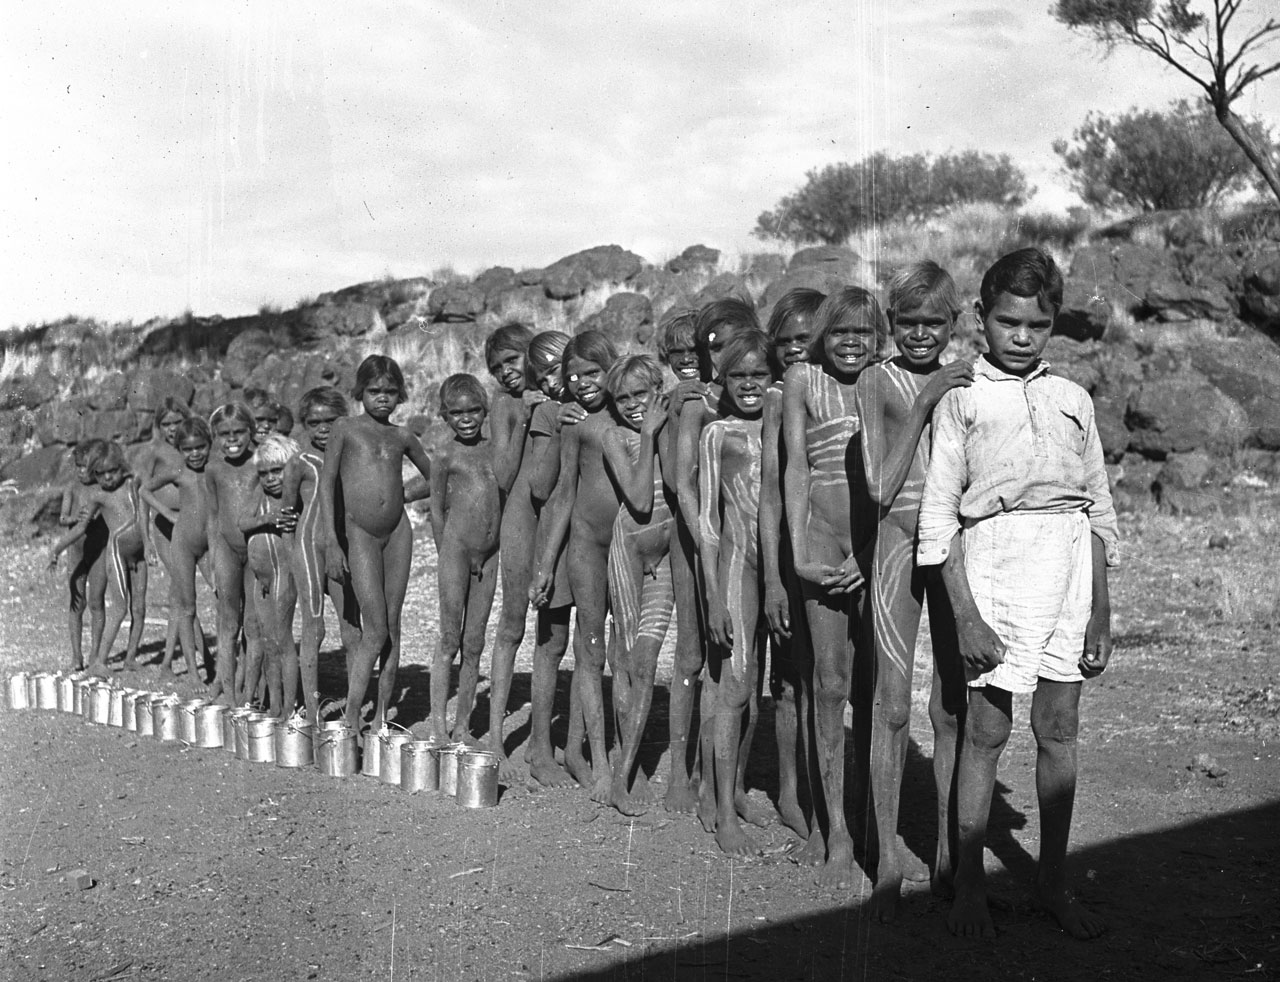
(207, 867)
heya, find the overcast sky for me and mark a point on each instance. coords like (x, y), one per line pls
(218, 156)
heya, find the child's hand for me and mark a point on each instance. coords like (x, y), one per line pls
(540, 588)
(690, 388)
(850, 577)
(533, 397)
(777, 611)
(285, 520)
(655, 419)
(335, 563)
(153, 560)
(570, 414)
(819, 573)
(957, 375)
(53, 559)
(980, 647)
(719, 622)
(1097, 644)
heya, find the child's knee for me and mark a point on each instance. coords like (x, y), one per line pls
(893, 708)
(510, 630)
(1055, 725)
(988, 732)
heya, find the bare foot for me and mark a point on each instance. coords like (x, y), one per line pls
(914, 869)
(791, 815)
(735, 842)
(130, 664)
(549, 774)
(707, 808)
(99, 671)
(509, 772)
(969, 916)
(943, 884)
(641, 791)
(838, 872)
(885, 896)
(601, 788)
(748, 812)
(465, 737)
(812, 852)
(578, 767)
(1071, 915)
(626, 803)
(680, 798)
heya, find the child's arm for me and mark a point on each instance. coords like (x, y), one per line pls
(980, 646)
(888, 462)
(291, 494)
(147, 493)
(77, 532)
(777, 609)
(439, 497)
(555, 518)
(796, 483)
(417, 454)
(635, 484)
(509, 427)
(251, 521)
(710, 450)
(65, 518)
(1097, 634)
(416, 489)
(335, 563)
(687, 469)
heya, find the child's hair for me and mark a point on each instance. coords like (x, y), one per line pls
(633, 366)
(254, 398)
(193, 426)
(276, 450)
(915, 284)
(231, 410)
(324, 397)
(509, 337)
(284, 418)
(462, 385)
(730, 312)
(171, 404)
(112, 455)
(839, 307)
(375, 367)
(1024, 273)
(744, 343)
(589, 346)
(88, 451)
(680, 323)
(802, 301)
(545, 349)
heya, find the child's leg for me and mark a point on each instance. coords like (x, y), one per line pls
(624, 605)
(680, 796)
(228, 572)
(257, 591)
(138, 576)
(268, 666)
(588, 571)
(285, 600)
(736, 690)
(397, 559)
(118, 579)
(162, 532)
(986, 731)
(309, 581)
(896, 593)
(552, 643)
(96, 595)
(515, 560)
(475, 622)
(786, 687)
(947, 700)
(77, 581)
(453, 578)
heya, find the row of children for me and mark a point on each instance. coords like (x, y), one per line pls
(788, 486)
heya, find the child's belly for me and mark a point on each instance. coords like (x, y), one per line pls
(650, 543)
(830, 507)
(474, 535)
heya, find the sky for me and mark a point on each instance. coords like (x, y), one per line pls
(217, 156)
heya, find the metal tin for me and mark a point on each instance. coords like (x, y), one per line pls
(47, 690)
(100, 704)
(230, 723)
(448, 757)
(18, 691)
(262, 739)
(80, 698)
(295, 746)
(477, 779)
(240, 723)
(389, 754)
(371, 761)
(164, 718)
(209, 725)
(143, 718)
(129, 711)
(33, 690)
(66, 693)
(419, 766)
(188, 731)
(336, 754)
(115, 709)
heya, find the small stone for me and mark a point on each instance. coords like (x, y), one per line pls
(78, 879)
(1220, 540)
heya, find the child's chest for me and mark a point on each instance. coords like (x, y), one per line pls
(234, 482)
(1016, 425)
(375, 445)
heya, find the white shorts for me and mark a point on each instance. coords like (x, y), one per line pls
(1031, 574)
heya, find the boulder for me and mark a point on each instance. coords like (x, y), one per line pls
(814, 277)
(62, 421)
(321, 324)
(693, 258)
(123, 426)
(209, 396)
(29, 391)
(522, 304)
(573, 275)
(36, 469)
(1076, 362)
(109, 392)
(723, 287)
(495, 280)
(1246, 369)
(627, 320)
(1171, 299)
(148, 388)
(456, 302)
(17, 426)
(410, 313)
(249, 349)
(530, 277)
(1184, 485)
(1183, 412)
(1085, 313)
(1260, 296)
(766, 266)
(837, 260)
(1108, 416)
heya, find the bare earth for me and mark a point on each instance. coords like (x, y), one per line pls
(207, 867)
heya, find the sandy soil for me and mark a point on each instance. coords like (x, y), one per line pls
(206, 867)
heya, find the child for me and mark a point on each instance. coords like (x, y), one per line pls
(190, 542)
(266, 521)
(1017, 511)
(729, 478)
(230, 481)
(116, 499)
(582, 509)
(266, 413)
(895, 403)
(284, 419)
(466, 512)
(791, 661)
(87, 575)
(718, 322)
(640, 594)
(677, 347)
(320, 408)
(539, 467)
(830, 537)
(365, 453)
(505, 352)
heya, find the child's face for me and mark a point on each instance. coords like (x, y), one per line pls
(849, 345)
(682, 356)
(1017, 330)
(84, 473)
(547, 378)
(791, 343)
(465, 415)
(168, 427)
(507, 369)
(746, 382)
(586, 382)
(922, 333)
(380, 398)
(319, 424)
(271, 477)
(265, 419)
(717, 338)
(634, 401)
(195, 452)
(233, 437)
(110, 476)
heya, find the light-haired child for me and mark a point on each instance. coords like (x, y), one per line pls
(895, 402)
(364, 457)
(466, 513)
(87, 568)
(1018, 512)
